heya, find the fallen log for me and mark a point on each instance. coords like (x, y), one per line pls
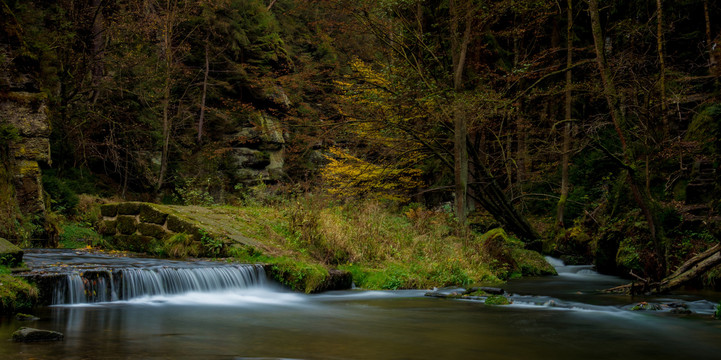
(688, 271)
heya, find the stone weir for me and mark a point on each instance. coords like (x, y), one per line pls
(79, 285)
(142, 227)
(145, 227)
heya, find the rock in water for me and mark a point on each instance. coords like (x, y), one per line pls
(26, 334)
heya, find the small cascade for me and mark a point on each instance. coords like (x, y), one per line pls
(94, 286)
(574, 270)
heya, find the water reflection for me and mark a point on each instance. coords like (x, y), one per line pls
(551, 318)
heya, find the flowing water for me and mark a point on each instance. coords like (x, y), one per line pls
(551, 318)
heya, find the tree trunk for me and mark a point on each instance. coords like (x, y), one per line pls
(98, 48)
(205, 89)
(712, 61)
(641, 198)
(168, 59)
(691, 270)
(565, 149)
(662, 67)
(459, 49)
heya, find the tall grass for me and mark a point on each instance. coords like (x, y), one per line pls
(388, 248)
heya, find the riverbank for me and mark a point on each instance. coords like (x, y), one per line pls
(382, 246)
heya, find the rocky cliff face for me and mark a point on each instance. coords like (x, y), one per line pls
(26, 144)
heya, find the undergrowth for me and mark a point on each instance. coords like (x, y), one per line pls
(16, 294)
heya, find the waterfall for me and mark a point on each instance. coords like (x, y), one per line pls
(128, 283)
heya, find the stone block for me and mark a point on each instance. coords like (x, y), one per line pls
(108, 227)
(152, 230)
(109, 210)
(129, 208)
(137, 243)
(126, 224)
(150, 215)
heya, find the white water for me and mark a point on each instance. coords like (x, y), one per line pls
(155, 283)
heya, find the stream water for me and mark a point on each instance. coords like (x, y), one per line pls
(551, 318)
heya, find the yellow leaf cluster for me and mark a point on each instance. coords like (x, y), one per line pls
(348, 176)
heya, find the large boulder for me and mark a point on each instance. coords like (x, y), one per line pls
(26, 334)
(10, 255)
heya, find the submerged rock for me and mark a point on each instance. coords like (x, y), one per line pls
(26, 334)
(25, 317)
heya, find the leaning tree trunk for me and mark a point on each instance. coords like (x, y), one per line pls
(489, 194)
(691, 270)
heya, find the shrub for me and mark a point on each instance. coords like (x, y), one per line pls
(62, 198)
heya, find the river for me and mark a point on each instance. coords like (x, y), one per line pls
(551, 318)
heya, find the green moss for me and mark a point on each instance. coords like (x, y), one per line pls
(148, 214)
(126, 224)
(717, 314)
(531, 263)
(135, 242)
(129, 208)
(497, 300)
(181, 246)
(16, 294)
(178, 225)
(108, 227)
(73, 235)
(298, 275)
(109, 210)
(152, 230)
(10, 255)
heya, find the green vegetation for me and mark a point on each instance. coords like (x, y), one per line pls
(497, 300)
(717, 314)
(412, 143)
(15, 293)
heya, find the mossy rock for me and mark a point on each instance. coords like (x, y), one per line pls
(10, 255)
(497, 300)
(126, 224)
(152, 230)
(135, 242)
(178, 225)
(129, 208)
(108, 227)
(109, 210)
(532, 263)
(16, 294)
(148, 214)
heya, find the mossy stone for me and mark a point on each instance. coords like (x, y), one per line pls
(532, 263)
(178, 225)
(148, 214)
(109, 210)
(129, 208)
(10, 255)
(497, 300)
(153, 230)
(126, 224)
(108, 227)
(138, 243)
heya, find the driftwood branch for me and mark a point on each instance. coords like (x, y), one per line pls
(688, 271)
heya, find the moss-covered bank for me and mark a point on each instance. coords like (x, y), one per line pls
(312, 245)
(16, 294)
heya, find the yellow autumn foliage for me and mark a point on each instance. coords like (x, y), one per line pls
(388, 170)
(350, 177)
